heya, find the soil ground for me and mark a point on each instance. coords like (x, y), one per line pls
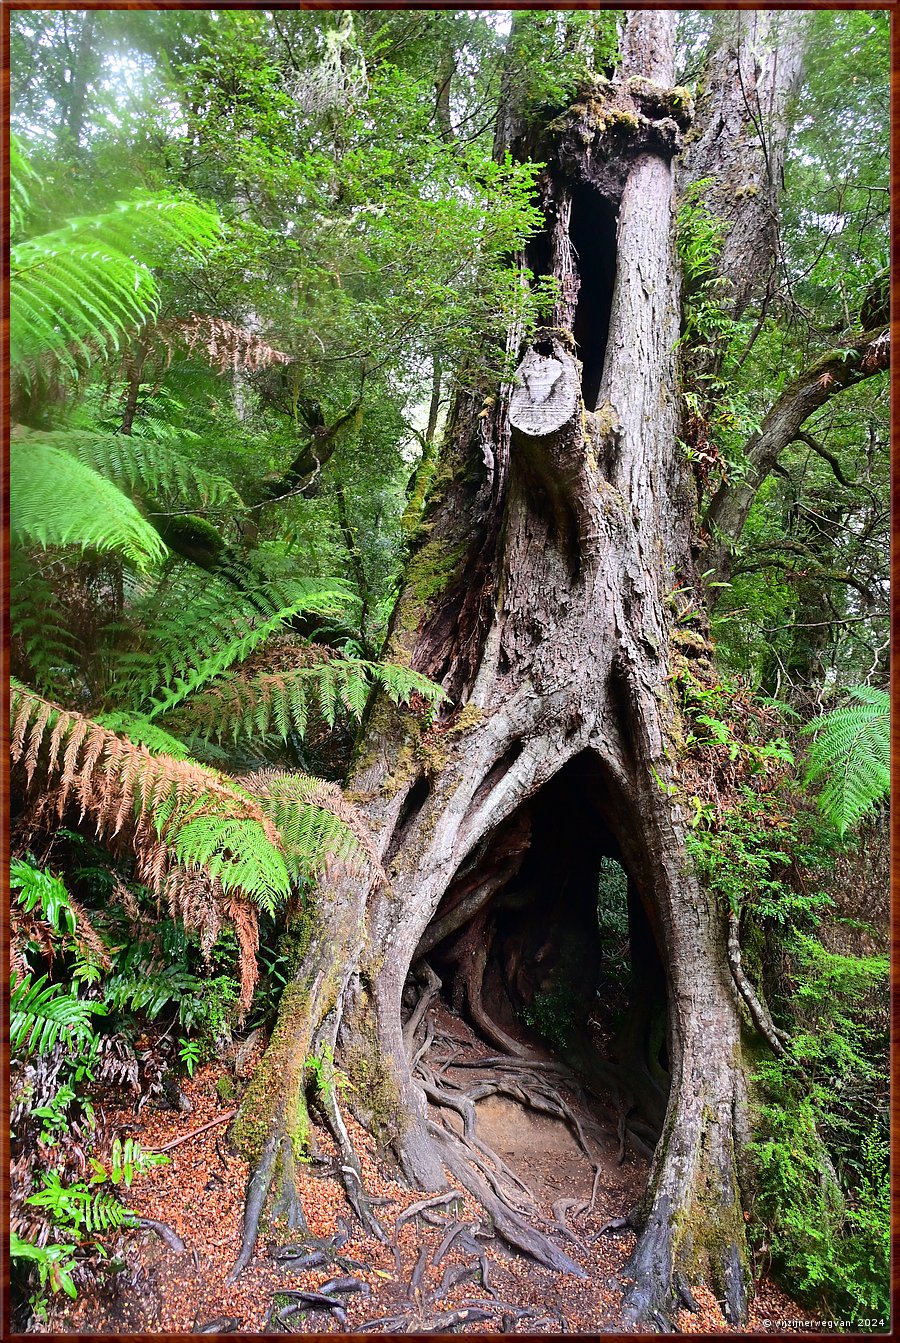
(398, 1287)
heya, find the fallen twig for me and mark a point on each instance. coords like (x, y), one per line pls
(185, 1137)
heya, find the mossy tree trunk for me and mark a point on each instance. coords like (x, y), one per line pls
(559, 524)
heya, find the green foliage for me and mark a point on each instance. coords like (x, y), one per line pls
(153, 466)
(326, 1077)
(314, 823)
(277, 704)
(140, 987)
(553, 1014)
(54, 1263)
(41, 1013)
(718, 418)
(75, 291)
(190, 1052)
(125, 1161)
(821, 1156)
(21, 179)
(57, 501)
(850, 757)
(195, 626)
(553, 54)
(36, 888)
(80, 1208)
(612, 921)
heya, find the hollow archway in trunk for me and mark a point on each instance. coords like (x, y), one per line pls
(544, 943)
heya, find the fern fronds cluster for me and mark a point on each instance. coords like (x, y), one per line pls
(147, 466)
(197, 625)
(21, 177)
(316, 822)
(278, 703)
(214, 849)
(81, 1207)
(55, 500)
(74, 291)
(850, 756)
(165, 807)
(43, 647)
(40, 1013)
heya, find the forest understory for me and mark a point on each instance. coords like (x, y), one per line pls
(440, 1271)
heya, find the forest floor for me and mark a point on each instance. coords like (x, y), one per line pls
(416, 1284)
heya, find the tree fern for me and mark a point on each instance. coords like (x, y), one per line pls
(40, 1013)
(41, 637)
(850, 757)
(143, 732)
(153, 802)
(279, 703)
(207, 844)
(74, 291)
(197, 625)
(144, 464)
(56, 500)
(314, 819)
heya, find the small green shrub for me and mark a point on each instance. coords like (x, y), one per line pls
(553, 1014)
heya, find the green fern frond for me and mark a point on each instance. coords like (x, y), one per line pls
(58, 501)
(143, 464)
(81, 1207)
(142, 732)
(155, 802)
(41, 1012)
(850, 757)
(316, 823)
(198, 625)
(38, 626)
(148, 991)
(279, 703)
(21, 177)
(74, 291)
(41, 888)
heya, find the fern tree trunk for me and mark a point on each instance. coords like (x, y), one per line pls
(559, 523)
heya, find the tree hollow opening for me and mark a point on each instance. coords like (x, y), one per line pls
(592, 233)
(545, 948)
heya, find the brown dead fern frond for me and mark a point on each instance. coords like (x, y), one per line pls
(168, 812)
(224, 345)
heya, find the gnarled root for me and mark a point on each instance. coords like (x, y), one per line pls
(507, 1223)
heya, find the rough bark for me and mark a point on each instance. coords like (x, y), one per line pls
(537, 596)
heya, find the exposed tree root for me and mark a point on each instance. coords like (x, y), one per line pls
(429, 993)
(172, 1239)
(507, 1223)
(258, 1187)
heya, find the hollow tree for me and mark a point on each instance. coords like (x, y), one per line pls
(559, 523)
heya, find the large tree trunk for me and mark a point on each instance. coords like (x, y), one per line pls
(560, 523)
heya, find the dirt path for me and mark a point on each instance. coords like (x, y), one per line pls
(475, 1286)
